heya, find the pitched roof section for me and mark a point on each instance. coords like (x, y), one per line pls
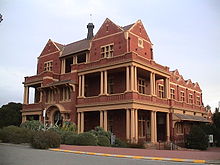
(60, 46)
(76, 47)
(127, 27)
(51, 47)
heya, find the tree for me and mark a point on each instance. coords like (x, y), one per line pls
(216, 126)
(10, 114)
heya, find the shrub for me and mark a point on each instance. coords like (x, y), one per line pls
(45, 140)
(71, 139)
(98, 131)
(136, 145)
(16, 135)
(103, 141)
(87, 139)
(119, 143)
(32, 125)
(197, 139)
(68, 126)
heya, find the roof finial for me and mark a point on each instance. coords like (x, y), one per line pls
(90, 15)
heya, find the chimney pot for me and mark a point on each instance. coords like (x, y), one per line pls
(90, 27)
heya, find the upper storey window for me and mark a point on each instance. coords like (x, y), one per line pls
(182, 96)
(107, 51)
(198, 100)
(48, 66)
(190, 98)
(172, 93)
(141, 86)
(161, 91)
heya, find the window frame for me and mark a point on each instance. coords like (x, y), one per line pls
(48, 65)
(106, 51)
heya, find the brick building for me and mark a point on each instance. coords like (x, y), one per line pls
(111, 80)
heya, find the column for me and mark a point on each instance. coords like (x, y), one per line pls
(82, 122)
(105, 83)
(101, 119)
(132, 126)
(74, 59)
(168, 127)
(63, 63)
(127, 78)
(128, 124)
(135, 78)
(80, 85)
(152, 127)
(152, 83)
(26, 95)
(78, 122)
(132, 78)
(101, 83)
(167, 87)
(83, 85)
(136, 124)
(23, 118)
(87, 57)
(105, 121)
(155, 126)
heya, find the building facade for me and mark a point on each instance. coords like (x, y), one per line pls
(111, 80)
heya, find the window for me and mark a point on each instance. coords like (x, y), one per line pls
(179, 128)
(48, 66)
(141, 86)
(81, 58)
(198, 100)
(172, 93)
(65, 94)
(141, 127)
(190, 98)
(107, 51)
(182, 96)
(68, 63)
(140, 43)
(50, 96)
(110, 85)
(161, 91)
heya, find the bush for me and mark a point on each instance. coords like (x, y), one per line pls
(32, 125)
(16, 135)
(68, 126)
(71, 139)
(45, 140)
(103, 141)
(87, 139)
(119, 143)
(98, 131)
(197, 139)
(136, 145)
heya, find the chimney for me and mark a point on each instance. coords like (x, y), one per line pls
(90, 27)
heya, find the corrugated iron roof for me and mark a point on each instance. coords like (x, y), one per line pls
(184, 117)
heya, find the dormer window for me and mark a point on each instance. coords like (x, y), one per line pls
(107, 51)
(48, 66)
(140, 43)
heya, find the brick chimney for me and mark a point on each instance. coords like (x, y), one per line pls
(90, 27)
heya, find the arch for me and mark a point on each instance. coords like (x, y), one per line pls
(54, 114)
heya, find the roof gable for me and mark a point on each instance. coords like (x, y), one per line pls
(50, 47)
(107, 28)
(138, 29)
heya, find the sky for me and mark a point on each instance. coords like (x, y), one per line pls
(185, 34)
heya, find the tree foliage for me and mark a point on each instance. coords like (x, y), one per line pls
(10, 114)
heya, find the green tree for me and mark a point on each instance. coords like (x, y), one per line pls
(10, 114)
(216, 126)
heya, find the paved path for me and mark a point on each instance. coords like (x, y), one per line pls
(211, 154)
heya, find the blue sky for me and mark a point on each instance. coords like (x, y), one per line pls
(185, 34)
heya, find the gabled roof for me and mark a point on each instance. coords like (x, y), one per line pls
(127, 27)
(75, 47)
(60, 46)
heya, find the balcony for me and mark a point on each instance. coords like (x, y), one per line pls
(122, 97)
(128, 57)
(32, 107)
